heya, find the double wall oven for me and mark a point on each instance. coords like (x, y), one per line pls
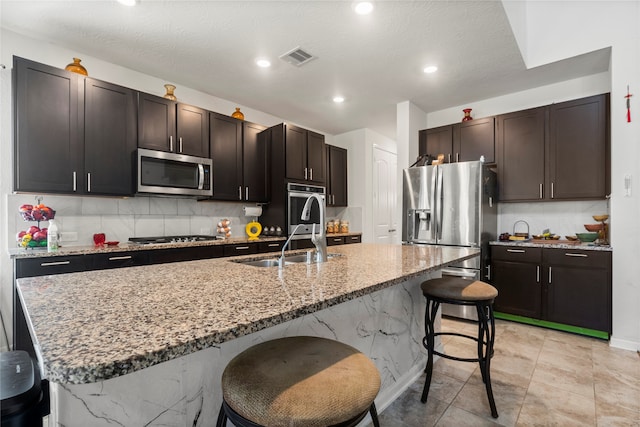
(297, 195)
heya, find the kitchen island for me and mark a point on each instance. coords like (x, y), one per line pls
(147, 345)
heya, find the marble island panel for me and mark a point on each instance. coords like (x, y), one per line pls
(92, 326)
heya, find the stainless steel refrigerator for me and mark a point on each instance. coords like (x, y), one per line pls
(454, 205)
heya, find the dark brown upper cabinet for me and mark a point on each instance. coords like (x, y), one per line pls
(48, 146)
(239, 160)
(166, 125)
(336, 176)
(578, 153)
(460, 142)
(109, 138)
(556, 152)
(74, 134)
(305, 155)
(520, 147)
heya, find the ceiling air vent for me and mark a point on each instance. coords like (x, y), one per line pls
(297, 57)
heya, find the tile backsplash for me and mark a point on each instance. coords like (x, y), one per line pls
(562, 218)
(140, 216)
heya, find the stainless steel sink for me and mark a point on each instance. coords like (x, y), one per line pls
(273, 262)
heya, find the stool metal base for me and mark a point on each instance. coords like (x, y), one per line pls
(226, 412)
(485, 341)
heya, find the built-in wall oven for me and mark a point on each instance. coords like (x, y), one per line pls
(297, 195)
(169, 173)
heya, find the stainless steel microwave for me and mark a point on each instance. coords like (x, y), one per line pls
(169, 173)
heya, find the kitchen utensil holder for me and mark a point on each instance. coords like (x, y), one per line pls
(518, 222)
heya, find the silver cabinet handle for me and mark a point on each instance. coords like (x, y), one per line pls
(273, 245)
(246, 193)
(337, 239)
(311, 174)
(549, 275)
(516, 251)
(354, 238)
(449, 156)
(74, 181)
(170, 142)
(540, 191)
(88, 182)
(305, 173)
(537, 274)
(552, 190)
(576, 255)
(457, 157)
(488, 272)
(49, 264)
(240, 192)
(180, 146)
(490, 202)
(118, 258)
(239, 248)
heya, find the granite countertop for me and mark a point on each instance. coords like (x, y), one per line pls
(554, 244)
(96, 325)
(126, 246)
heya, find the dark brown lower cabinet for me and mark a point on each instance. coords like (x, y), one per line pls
(565, 286)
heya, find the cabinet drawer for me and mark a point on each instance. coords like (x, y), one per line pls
(161, 256)
(241, 249)
(353, 239)
(50, 265)
(119, 259)
(578, 258)
(332, 241)
(516, 253)
(270, 246)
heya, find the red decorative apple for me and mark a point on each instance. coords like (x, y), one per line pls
(26, 208)
(39, 236)
(20, 235)
(33, 230)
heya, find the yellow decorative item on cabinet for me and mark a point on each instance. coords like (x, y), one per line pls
(75, 67)
(238, 114)
(253, 230)
(169, 95)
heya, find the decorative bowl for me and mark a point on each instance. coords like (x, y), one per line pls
(601, 217)
(594, 227)
(587, 237)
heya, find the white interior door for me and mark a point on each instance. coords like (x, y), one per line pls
(385, 226)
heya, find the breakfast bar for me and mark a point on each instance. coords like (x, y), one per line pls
(147, 345)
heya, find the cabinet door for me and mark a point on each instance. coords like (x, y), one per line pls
(156, 123)
(579, 149)
(520, 157)
(440, 141)
(161, 256)
(333, 241)
(296, 153)
(48, 149)
(353, 239)
(475, 138)
(578, 288)
(316, 157)
(519, 289)
(31, 267)
(192, 131)
(226, 154)
(109, 138)
(264, 247)
(241, 249)
(255, 164)
(337, 182)
(119, 259)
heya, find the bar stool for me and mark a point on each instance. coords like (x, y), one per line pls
(299, 381)
(459, 291)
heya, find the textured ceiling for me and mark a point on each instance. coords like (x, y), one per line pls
(374, 61)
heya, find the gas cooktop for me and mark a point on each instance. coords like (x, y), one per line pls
(171, 239)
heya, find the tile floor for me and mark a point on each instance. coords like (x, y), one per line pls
(540, 377)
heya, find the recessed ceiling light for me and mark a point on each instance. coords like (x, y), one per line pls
(263, 63)
(338, 99)
(430, 69)
(128, 2)
(364, 7)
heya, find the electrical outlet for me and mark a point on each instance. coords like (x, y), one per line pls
(69, 236)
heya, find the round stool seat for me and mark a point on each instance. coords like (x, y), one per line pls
(300, 381)
(458, 289)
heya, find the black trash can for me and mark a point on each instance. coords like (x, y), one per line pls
(25, 398)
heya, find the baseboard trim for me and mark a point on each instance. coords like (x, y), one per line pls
(624, 344)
